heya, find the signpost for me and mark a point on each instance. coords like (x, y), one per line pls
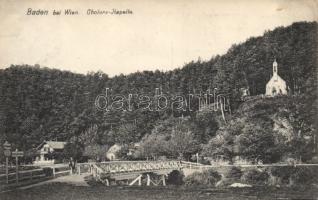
(197, 155)
(17, 154)
(7, 153)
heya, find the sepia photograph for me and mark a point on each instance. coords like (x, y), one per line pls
(158, 99)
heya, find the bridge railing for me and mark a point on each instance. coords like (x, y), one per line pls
(190, 165)
(83, 168)
(133, 166)
(203, 166)
(96, 171)
(22, 176)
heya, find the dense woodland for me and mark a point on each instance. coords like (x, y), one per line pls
(39, 103)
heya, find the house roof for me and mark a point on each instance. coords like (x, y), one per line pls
(53, 144)
(276, 79)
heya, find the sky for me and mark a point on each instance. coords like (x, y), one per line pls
(159, 34)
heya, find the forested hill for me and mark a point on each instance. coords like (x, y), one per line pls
(38, 103)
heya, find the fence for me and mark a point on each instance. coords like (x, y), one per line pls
(32, 174)
(202, 166)
(23, 175)
(60, 170)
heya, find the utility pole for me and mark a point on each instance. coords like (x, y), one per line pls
(16, 168)
(315, 145)
(17, 154)
(197, 155)
(7, 153)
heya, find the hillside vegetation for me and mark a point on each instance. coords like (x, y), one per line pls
(38, 103)
(267, 130)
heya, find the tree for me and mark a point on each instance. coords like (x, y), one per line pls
(205, 126)
(73, 150)
(96, 152)
(154, 145)
(257, 144)
(182, 144)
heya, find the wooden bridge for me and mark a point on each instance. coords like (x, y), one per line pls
(154, 172)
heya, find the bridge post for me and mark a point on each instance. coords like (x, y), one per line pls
(107, 182)
(53, 170)
(148, 180)
(137, 179)
(163, 180)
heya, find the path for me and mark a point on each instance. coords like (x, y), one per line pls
(77, 180)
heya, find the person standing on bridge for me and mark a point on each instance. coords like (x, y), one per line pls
(74, 166)
(71, 165)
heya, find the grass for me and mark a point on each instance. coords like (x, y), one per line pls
(69, 192)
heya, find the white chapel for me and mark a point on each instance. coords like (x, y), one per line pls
(276, 85)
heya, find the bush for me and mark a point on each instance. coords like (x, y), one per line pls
(296, 175)
(234, 173)
(48, 171)
(175, 177)
(153, 176)
(283, 173)
(205, 162)
(205, 178)
(255, 177)
(314, 160)
(304, 175)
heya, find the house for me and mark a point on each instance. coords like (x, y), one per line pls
(111, 154)
(245, 92)
(276, 85)
(133, 149)
(129, 150)
(45, 148)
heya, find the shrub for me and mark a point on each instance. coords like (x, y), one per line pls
(296, 175)
(255, 177)
(153, 176)
(205, 178)
(48, 171)
(104, 176)
(90, 180)
(314, 159)
(283, 173)
(175, 177)
(234, 173)
(205, 162)
(304, 175)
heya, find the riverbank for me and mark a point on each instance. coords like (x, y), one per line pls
(67, 191)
